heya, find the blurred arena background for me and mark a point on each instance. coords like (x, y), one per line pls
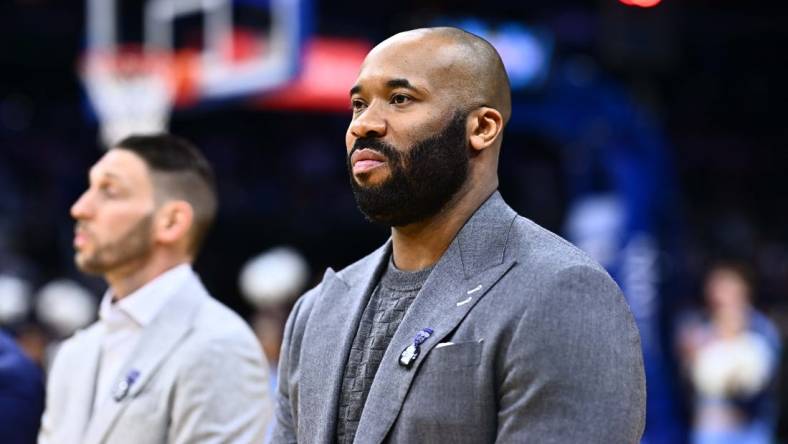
(648, 132)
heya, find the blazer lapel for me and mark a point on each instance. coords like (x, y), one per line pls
(474, 263)
(158, 340)
(327, 342)
(83, 384)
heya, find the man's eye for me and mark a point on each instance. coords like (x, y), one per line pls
(108, 190)
(400, 99)
(357, 105)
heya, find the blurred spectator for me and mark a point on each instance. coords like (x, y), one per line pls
(65, 306)
(274, 277)
(62, 307)
(40, 321)
(21, 394)
(731, 358)
(271, 282)
(14, 300)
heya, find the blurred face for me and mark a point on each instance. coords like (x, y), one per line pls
(407, 144)
(114, 216)
(726, 290)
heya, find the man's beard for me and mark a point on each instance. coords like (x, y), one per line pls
(423, 179)
(132, 246)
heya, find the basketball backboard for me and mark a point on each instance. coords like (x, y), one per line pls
(133, 85)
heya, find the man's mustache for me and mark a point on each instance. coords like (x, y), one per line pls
(81, 227)
(375, 144)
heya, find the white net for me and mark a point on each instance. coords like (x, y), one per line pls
(134, 93)
(131, 94)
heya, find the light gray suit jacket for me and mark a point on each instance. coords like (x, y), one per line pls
(202, 379)
(543, 347)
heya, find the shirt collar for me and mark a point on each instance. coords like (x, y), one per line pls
(142, 305)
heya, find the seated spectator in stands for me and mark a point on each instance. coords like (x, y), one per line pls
(731, 359)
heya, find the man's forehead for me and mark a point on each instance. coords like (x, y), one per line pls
(419, 51)
(119, 164)
(420, 67)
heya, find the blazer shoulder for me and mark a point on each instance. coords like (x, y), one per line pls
(346, 276)
(214, 321)
(74, 344)
(302, 308)
(547, 251)
(332, 280)
(553, 269)
(219, 338)
(565, 283)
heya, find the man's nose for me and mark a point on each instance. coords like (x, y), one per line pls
(83, 207)
(370, 123)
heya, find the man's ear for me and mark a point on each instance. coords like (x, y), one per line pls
(174, 221)
(484, 126)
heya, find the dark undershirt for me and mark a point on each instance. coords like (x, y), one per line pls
(386, 307)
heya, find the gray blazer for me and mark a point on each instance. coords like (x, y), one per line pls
(202, 379)
(533, 343)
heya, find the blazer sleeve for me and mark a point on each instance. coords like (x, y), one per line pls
(573, 371)
(285, 426)
(221, 394)
(55, 397)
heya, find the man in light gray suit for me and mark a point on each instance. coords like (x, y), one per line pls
(471, 324)
(165, 363)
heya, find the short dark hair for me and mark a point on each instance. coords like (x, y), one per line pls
(179, 171)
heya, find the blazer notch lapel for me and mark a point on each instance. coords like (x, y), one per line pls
(157, 343)
(441, 306)
(328, 337)
(483, 241)
(84, 383)
(474, 262)
(478, 286)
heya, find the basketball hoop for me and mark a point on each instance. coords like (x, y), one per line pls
(132, 92)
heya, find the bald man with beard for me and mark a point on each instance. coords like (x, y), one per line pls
(471, 324)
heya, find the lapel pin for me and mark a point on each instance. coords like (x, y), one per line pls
(465, 301)
(123, 386)
(474, 290)
(411, 352)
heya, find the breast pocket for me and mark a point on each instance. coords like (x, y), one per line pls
(447, 401)
(144, 419)
(453, 357)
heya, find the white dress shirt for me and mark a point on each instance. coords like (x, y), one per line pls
(124, 321)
